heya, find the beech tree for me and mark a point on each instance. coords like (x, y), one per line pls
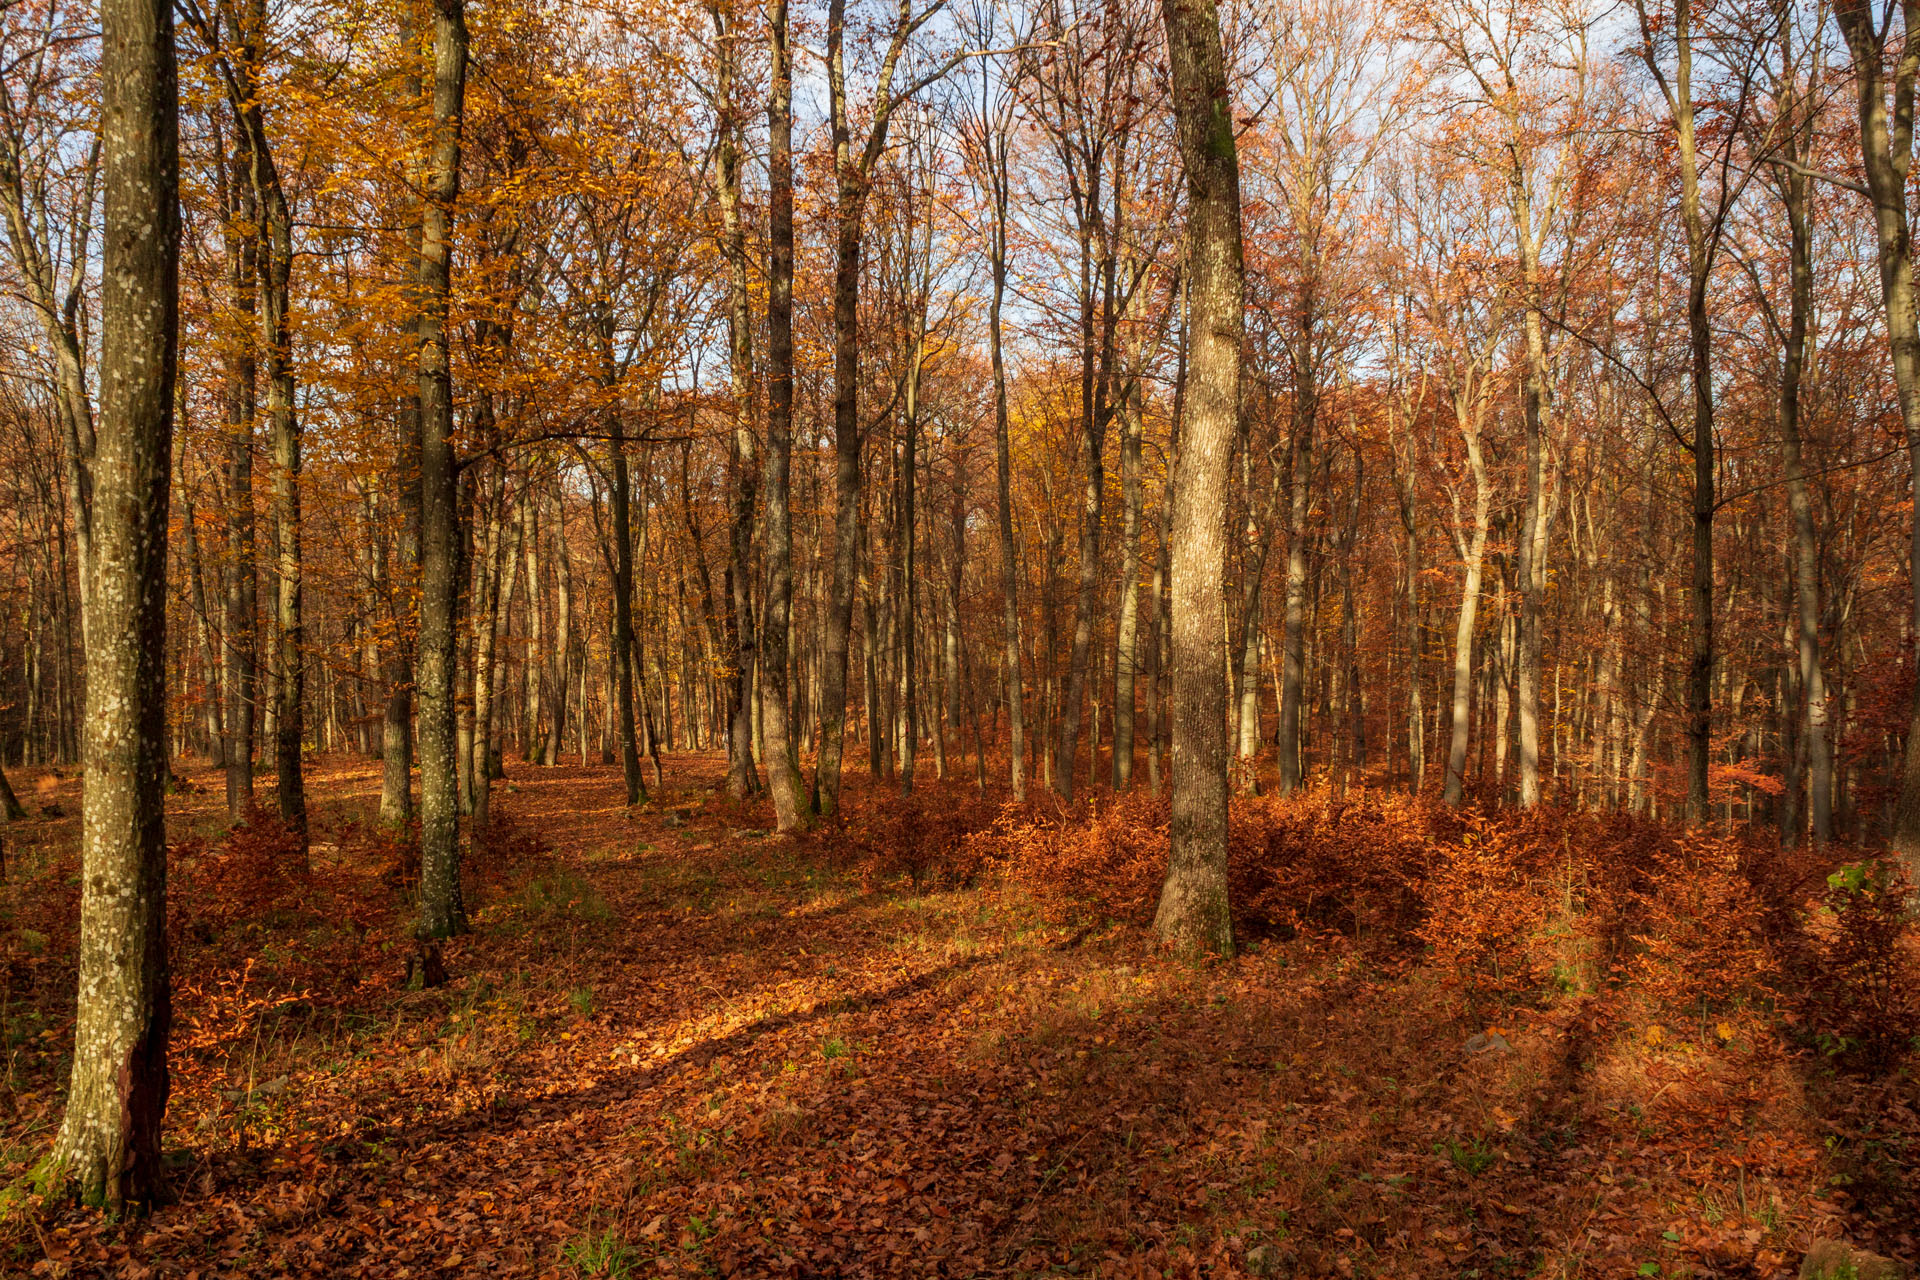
(108, 1147)
(1194, 914)
(442, 907)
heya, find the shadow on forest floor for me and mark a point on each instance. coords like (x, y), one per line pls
(674, 1045)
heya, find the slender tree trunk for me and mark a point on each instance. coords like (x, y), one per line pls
(846, 493)
(1293, 635)
(442, 907)
(1794, 185)
(1194, 914)
(1532, 551)
(783, 770)
(1474, 548)
(242, 602)
(905, 522)
(624, 656)
(1416, 711)
(853, 170)
(202, 618)
(743, 779)
(289, 624)
(1003, 477)
(108, 1147)
(1126, 649)
(564, 640)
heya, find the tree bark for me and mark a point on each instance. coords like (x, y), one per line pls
(1886, 112)
(1126, 642)
(1473, 547)
(1194, 915)
(109, 1141)
(791, 811)
(853, 172)
(623, 645)
(997, 141)
(442, 908)
(1794, 185)
(743, 779)
(1293, 640)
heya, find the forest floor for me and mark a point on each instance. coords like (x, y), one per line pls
(674, 1044)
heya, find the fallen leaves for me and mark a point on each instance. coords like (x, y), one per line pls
(729, 1058)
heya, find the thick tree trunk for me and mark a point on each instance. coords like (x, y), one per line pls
(442, 908)
(1886, 113)
(11, 810)
(109, 1141)
(1194, 914)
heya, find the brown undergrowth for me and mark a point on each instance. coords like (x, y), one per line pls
(934, 1038)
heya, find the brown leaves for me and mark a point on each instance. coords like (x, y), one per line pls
(688, 1051)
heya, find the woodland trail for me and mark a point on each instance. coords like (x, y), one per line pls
(675, 1045)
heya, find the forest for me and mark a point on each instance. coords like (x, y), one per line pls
(1142, 638)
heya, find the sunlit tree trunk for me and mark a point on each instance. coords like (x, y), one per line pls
(1193, 915)
(1473, 547)
(1886, 111)
(108, 1147)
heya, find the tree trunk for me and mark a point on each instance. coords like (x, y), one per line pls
(743, 779)
(1474, 548)
(1794, 187)
(1194, 914)
(783, 770)
(564, 640)
(442, 908)
(242, 587)
(109, 1141)
(1003, 477)
(1293, 635)
(623, 646)
(1126, 641)
(1886, 146)
(202, 618)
